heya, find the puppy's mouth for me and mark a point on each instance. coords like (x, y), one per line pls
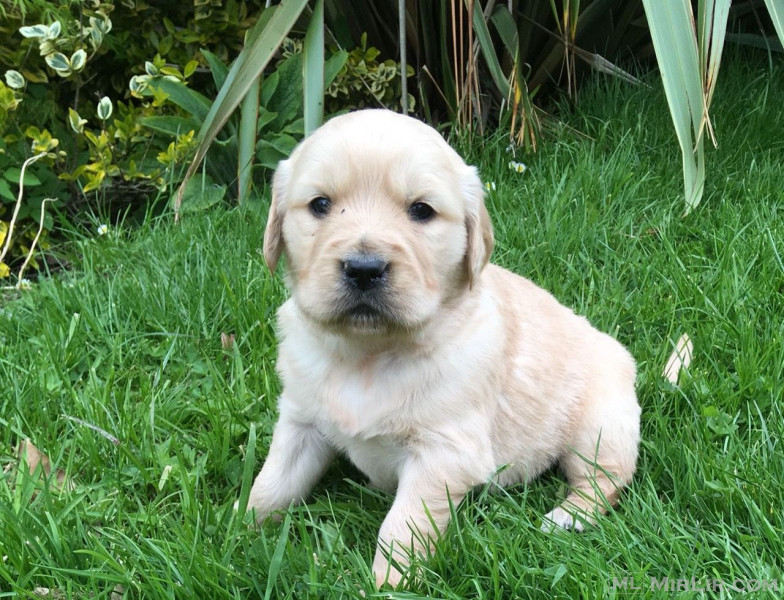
(364, 312)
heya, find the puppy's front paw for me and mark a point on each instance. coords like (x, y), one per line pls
(252, 515)
(385, 572)
(558, 518)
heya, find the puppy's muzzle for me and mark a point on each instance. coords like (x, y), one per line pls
(365, 272)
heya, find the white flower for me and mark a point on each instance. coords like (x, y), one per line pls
(103, 229)
(490, 186)
(24, 284)
(517, 167)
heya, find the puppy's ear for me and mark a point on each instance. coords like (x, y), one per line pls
(479, 228)
(273, 234)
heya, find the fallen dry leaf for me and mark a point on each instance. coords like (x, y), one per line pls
(33, 458)
(227, 341)
(679, 360)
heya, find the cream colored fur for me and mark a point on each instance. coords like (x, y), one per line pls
(468, 373)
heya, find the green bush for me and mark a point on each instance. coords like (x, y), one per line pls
(366, 82)
(114, 92)
(66, 69)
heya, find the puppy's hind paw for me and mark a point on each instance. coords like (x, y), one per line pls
(559, 519)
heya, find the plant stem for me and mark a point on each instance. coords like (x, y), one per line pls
(11, 224)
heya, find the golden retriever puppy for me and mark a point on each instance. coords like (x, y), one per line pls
(400, 347)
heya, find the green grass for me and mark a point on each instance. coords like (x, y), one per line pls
(129, 342)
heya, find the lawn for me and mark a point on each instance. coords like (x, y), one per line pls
(117, 370)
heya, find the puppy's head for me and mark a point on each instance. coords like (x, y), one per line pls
(381, 223)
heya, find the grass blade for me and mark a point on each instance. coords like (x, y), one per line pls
(218, 69)
(333, 66)
(170, 125)
(187, 99)
(769, 43)
(507, 29)
(313, 70)
(277, 557)
(488, 51)
(776, 10)
(598, 63)
(671, 23)
(401, 24)
(247, 472)
(249, 116)
(713, 18)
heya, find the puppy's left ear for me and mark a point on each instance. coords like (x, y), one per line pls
(273, 234)
(479, 228)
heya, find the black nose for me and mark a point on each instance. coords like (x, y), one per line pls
(365, 271)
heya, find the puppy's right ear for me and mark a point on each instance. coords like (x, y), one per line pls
(479, 228)
(273, 234)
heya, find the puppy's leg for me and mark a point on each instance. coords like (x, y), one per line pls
(421, 511)
(601, 461)
(298, 457)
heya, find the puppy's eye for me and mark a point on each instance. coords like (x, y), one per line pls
(422, 212)
(320, 206)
